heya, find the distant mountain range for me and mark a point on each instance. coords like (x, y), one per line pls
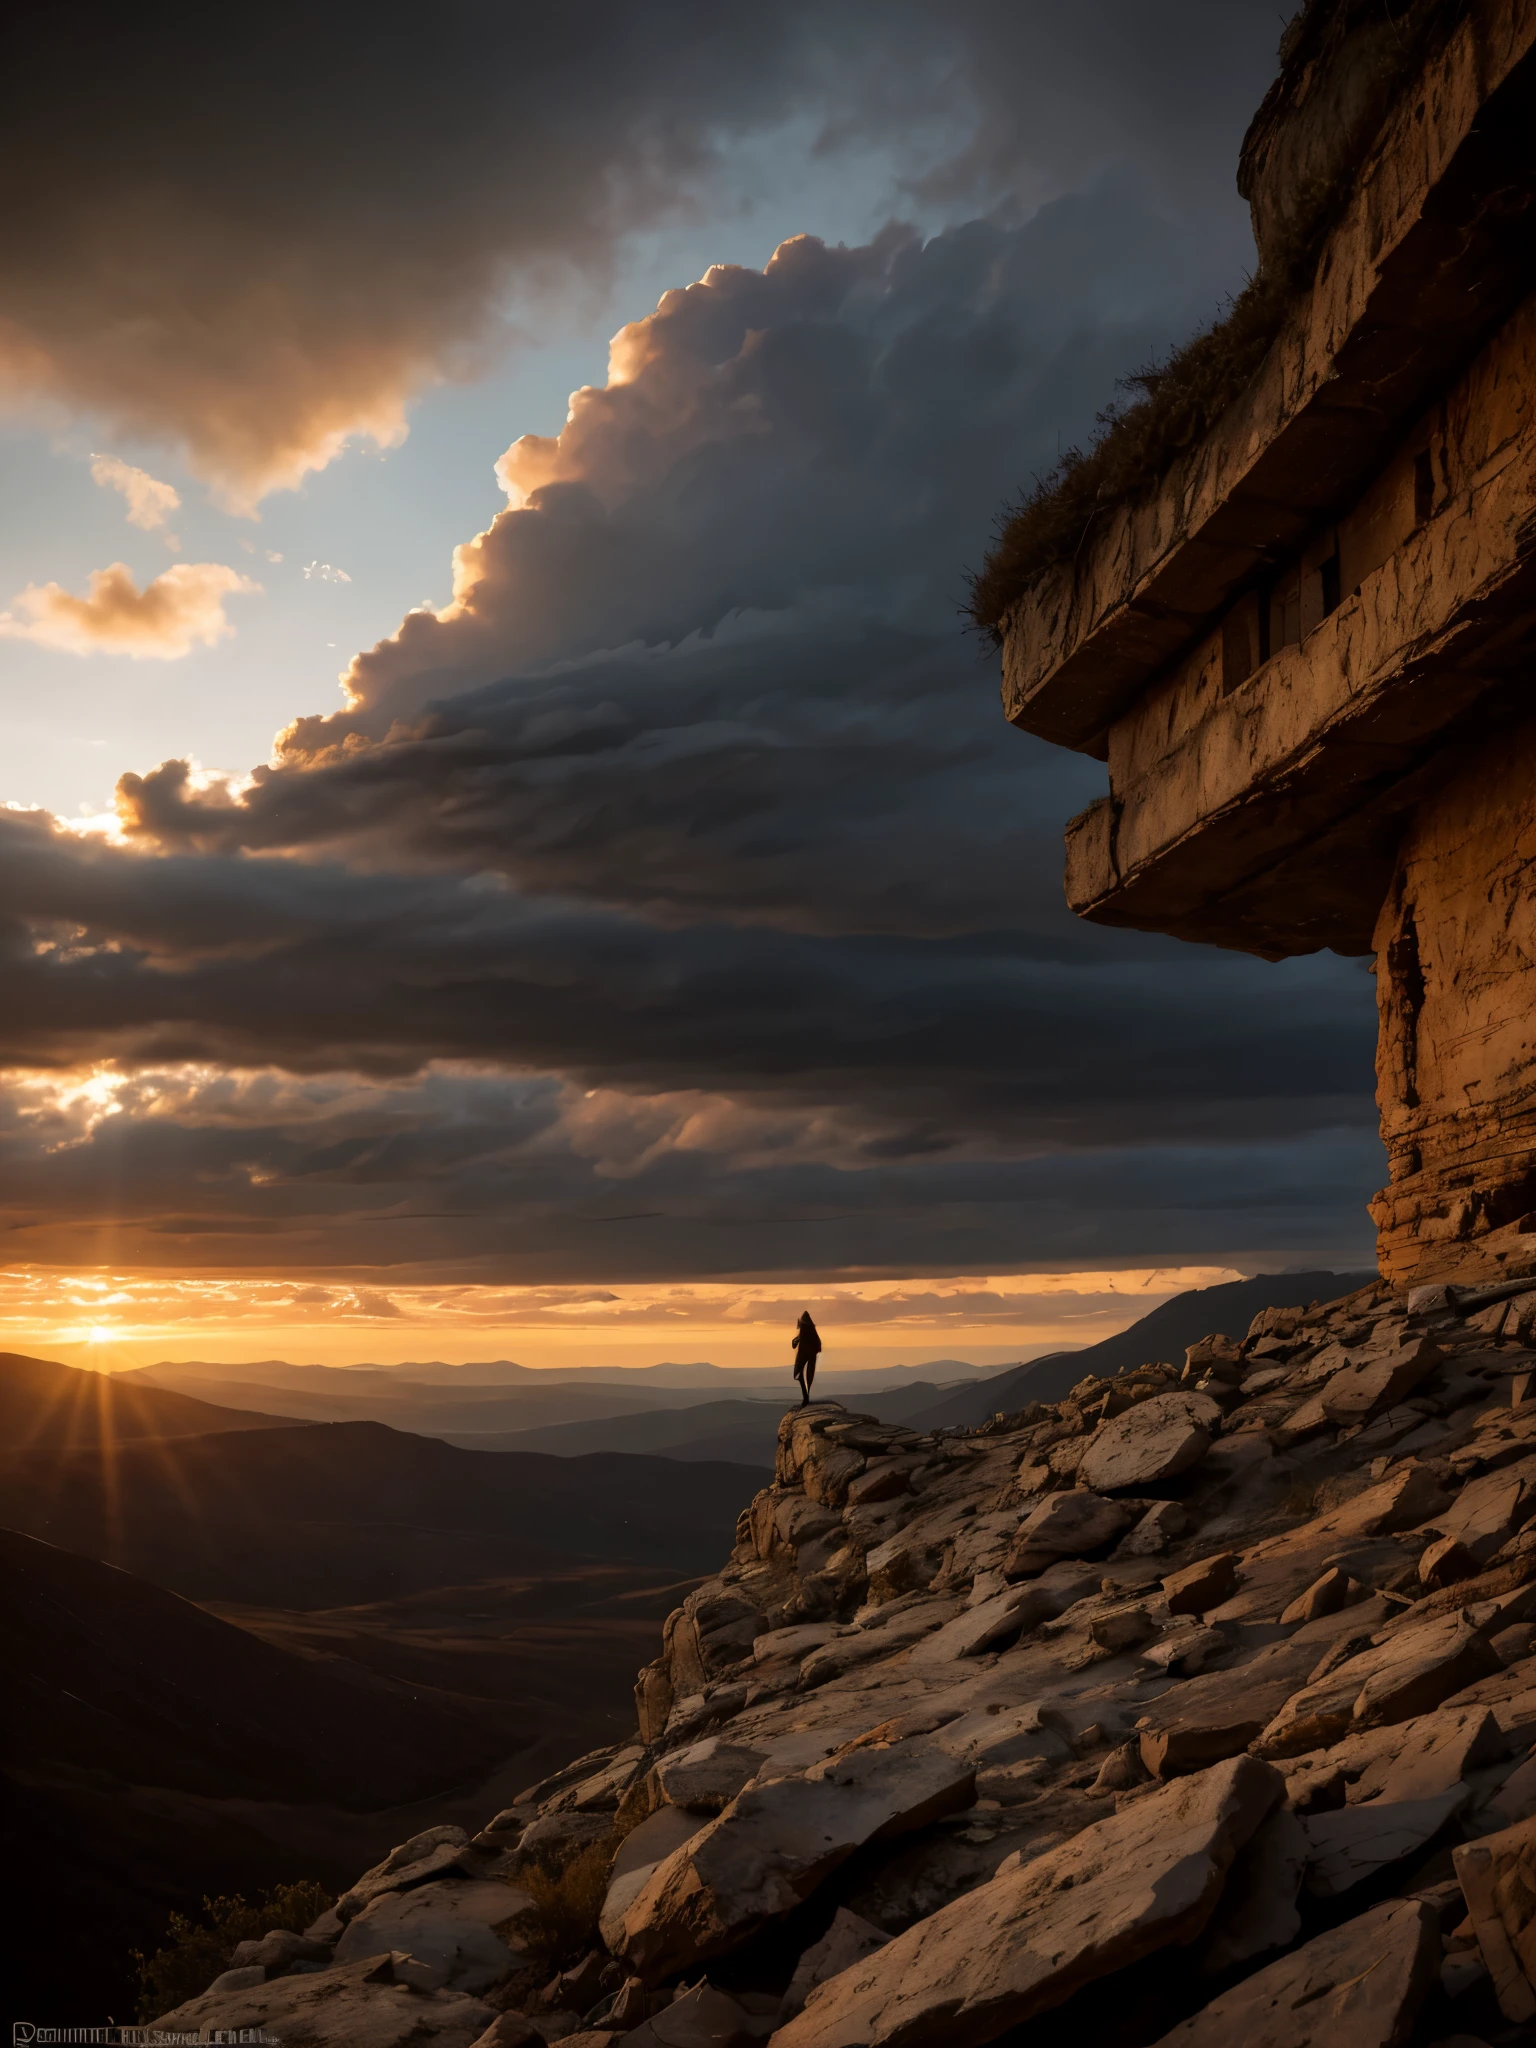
(703, 1413)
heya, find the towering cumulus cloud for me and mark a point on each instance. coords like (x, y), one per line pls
(678, 892)
(257, 232)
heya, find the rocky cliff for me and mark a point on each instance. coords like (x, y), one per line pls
(1199, 1703)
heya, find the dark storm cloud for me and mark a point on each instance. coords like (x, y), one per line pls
(458, 1177)
(254, 232)
(729, 676)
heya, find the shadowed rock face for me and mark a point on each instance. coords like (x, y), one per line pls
(1304, 651)
(891, 1787)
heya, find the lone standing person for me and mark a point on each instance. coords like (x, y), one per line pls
(807, 1345)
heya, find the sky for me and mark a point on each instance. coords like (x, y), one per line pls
(509, 847)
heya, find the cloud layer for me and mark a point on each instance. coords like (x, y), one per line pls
(254, 236)
(677, 900)
(178, 610)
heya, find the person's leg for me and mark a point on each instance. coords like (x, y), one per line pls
(809, 1378)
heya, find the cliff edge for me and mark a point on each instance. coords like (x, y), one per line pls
(1200, 1701)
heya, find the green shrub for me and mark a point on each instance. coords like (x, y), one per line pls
(561, 1925)
(197, 1951)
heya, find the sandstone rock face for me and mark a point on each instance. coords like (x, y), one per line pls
(1154, 1441)
(459, 1930)
(1236, 722)
(1022, 1944)
(1361, 1985)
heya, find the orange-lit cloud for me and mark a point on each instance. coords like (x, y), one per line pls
(150, 502)
(128, 1318)
(178, 610)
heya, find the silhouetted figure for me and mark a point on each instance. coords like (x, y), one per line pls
(807, 1344)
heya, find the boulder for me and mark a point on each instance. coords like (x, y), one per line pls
(707, 1775)
(1419, 1758)
(1488, 1511)
(643, 1850)
(1200, 1587)
(360, 2005)
(846, 1942)
(279, 1949)
(1334, 1590)
(1361, 1985)
(700, 2018)
(1121, 1628)
(243, 1977)
(1362, 1390)
(1140, 1880)
(434, 1853)
(1446, 1562)
(555, 1839)
(991, 1625)
(1195, 1744)
(1073, 1523)
(1411, 1673)
(1498, 1881)
(458, 1930)
(775, 1844)
(883, 1479)
(1156, 1440)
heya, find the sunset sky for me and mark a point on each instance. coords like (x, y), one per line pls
(508, 850)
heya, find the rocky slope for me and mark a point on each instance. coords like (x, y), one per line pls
(1199, 1703)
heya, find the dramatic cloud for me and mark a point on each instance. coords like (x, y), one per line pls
(150, 502)
(676, 900)
(257, 235)
(178, 610)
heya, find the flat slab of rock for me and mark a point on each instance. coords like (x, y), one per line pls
(434, 1853)
(450, 1928)
(1135, 1882)
(1200, 1587)
(776, 1842)
(1361, 1985)
(1346, 1847)
(1155, 1440)
(707, 1775)
(356, 2006)
(700, 2018)
(1411, 1673)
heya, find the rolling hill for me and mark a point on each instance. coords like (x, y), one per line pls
(325, 1514)
(63, 1407)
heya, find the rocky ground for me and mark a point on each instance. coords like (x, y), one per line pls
(1200, 1703)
